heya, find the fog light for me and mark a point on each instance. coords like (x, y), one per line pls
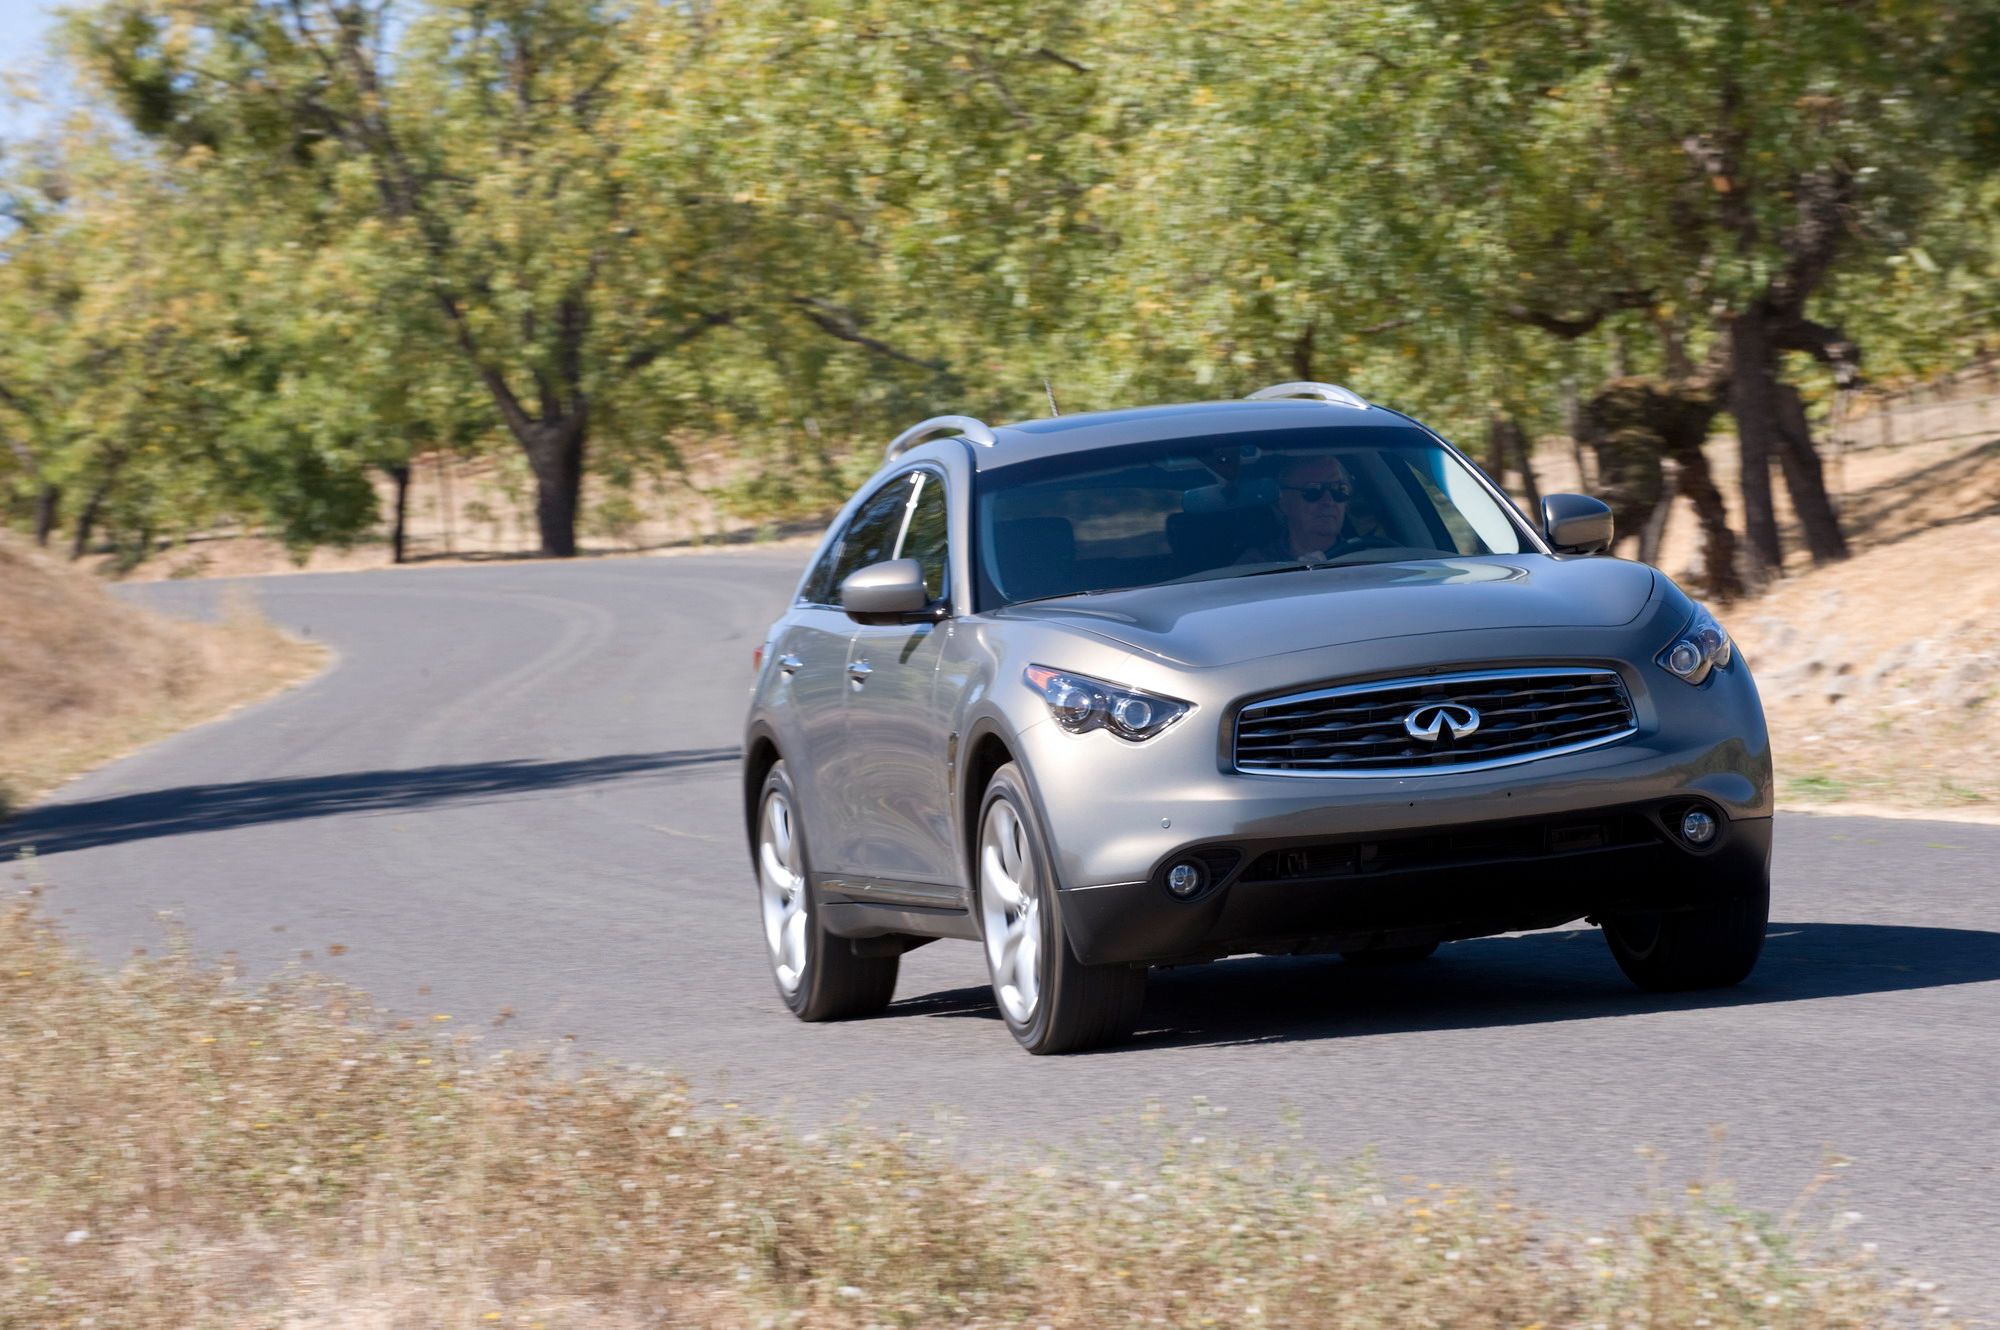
(1697, 827)
(1185, 879)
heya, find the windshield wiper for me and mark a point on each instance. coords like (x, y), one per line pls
(1066, 595)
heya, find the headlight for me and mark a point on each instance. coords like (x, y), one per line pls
(1080, 704)
(1699, 649)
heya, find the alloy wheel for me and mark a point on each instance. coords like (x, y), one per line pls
(781, 883)
(1010, 907)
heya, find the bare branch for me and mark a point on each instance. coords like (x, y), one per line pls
(842, 323)
(1569, 327)
(1830, 346)
(647, 355)
(1058, 58)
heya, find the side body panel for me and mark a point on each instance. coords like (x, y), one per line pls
(887, 784)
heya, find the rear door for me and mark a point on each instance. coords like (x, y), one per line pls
(897, 828)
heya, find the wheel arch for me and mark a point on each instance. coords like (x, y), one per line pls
(989, 750)
(760, 754)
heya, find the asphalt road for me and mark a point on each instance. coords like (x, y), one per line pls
(516, 789)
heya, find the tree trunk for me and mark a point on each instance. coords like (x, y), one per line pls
(399, 473)
(1670, 420)
(555, 454)
(1806, 479)
(1718, 542)
(1654, 532)
(1530, 490)
(86, 521)
(1507, 449)
(48, 512)
(1753, 402)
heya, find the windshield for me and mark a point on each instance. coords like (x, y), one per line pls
(1195, 509)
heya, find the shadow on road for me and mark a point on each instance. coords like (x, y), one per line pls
(1543, 977)
(57, 828)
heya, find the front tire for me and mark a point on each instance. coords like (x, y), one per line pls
(817, 974)
(1051, 1001)
(1714, 946)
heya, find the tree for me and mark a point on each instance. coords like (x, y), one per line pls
(1720, 172)
(483, 164)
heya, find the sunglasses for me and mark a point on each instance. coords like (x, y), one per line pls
(1339, 491)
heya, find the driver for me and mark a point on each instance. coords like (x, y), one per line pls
(1312, 510)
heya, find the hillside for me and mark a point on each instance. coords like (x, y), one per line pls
(1881, 675)
(85, 677)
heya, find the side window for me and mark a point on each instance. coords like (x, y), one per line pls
(871, 536)
(928, 538)
(818, 587)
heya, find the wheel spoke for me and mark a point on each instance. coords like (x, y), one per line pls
(996, 876)
(1007, 838)
(1027, 966)
(795, 941)
(781, 829)
(1010, 912)
(781, 887)
(775, 868)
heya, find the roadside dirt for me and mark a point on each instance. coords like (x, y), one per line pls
(85, 677)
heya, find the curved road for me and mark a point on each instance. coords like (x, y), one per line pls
(516, 789)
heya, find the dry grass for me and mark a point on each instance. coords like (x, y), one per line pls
(177, 1149)
(85, 677)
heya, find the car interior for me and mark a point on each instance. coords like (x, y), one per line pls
(1180, 518)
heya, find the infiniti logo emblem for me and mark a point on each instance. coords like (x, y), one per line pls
(1429, 722)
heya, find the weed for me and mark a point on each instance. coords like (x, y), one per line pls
(180, 1148)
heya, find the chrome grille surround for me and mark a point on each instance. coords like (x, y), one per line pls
(1356, 730)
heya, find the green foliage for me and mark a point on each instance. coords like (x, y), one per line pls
(336, 235)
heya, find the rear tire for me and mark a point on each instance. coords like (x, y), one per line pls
(817, 974)
(1051, 1001)
(1714, 946)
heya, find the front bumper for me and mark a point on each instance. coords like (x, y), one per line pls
(1352, 892)
(1119, 815)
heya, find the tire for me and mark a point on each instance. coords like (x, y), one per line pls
(817, 974)
(1377, 956)
(1051, 1001)
(1714, 946)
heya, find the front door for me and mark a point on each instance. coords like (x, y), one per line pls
(898, 831)
(814, 655)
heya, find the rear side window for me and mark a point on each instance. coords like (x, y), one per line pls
(870, 537)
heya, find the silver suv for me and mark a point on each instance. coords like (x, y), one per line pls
(1282, 675)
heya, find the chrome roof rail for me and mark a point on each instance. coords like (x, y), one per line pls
(970, 427)
(1319, 392)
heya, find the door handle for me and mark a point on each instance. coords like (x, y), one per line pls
(858, 671)
(789, 664)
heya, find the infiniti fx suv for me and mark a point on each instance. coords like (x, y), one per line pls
(1283, 675)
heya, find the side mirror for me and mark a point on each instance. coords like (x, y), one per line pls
(888, 592)
(1576, 523)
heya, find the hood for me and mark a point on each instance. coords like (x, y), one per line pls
(1224, 620)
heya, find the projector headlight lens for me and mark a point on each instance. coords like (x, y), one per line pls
(1700, 649)
(1080, 704)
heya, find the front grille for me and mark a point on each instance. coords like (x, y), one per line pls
(1360, 730)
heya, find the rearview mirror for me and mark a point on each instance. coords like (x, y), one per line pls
(888, 592)
(1576, 523)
